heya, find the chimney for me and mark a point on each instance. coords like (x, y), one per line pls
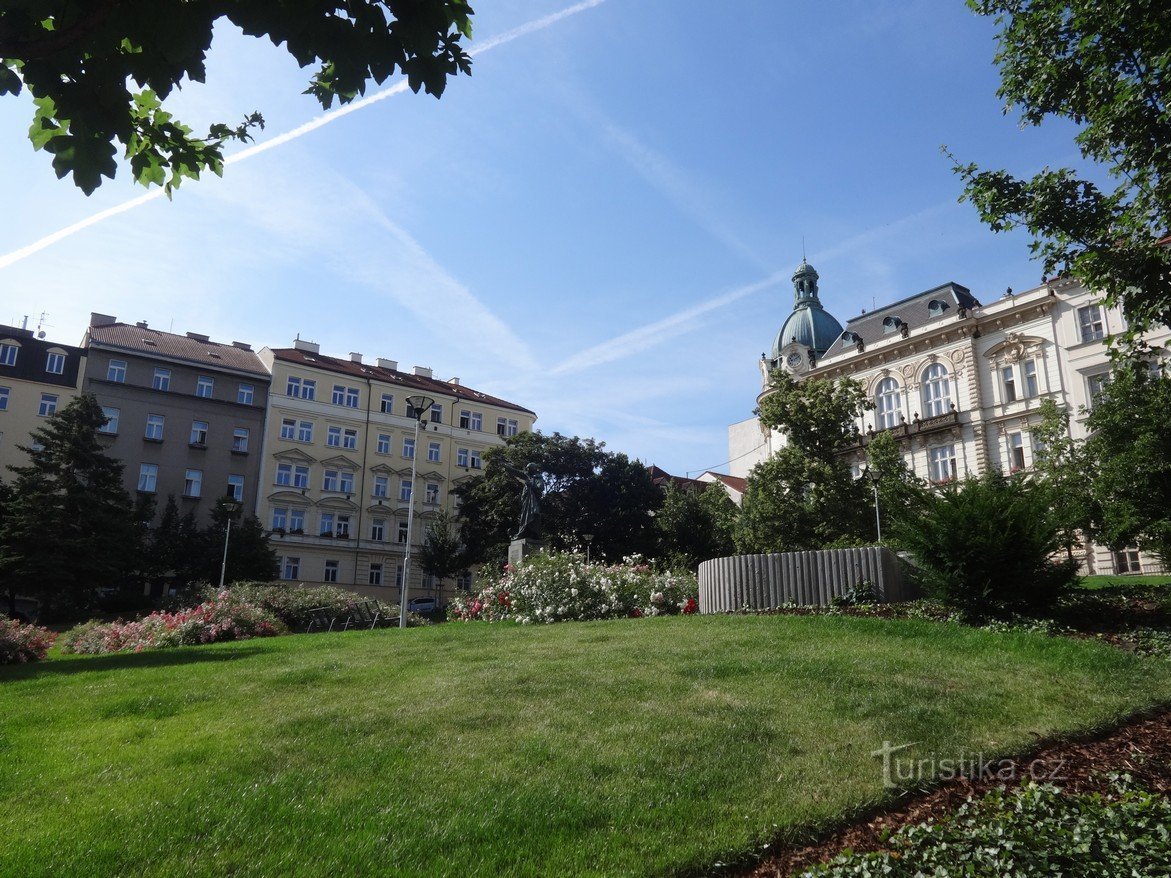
(310, 347)
(96, 319)
(355, 357)
(242, 345)
(384, 363)
(141, 324)
(198, 336)
(454, 381)
(421, 371)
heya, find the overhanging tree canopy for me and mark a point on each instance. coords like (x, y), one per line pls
(99, 71)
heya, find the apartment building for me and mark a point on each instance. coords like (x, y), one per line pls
(957, 382)
(336, 477)
(185, 414)
(37, 377)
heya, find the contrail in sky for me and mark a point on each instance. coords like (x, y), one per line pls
(312, 125)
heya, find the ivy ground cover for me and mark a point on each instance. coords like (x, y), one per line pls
(627, 747)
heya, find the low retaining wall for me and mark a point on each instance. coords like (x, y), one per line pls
(761, 582)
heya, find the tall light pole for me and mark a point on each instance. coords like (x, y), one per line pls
(230, 505)
(589, 538)
(872, 476)
(419, 406)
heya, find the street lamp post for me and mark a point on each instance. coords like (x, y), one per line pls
(418, 406)
(589, 538)
(872, 476)
(230, 505)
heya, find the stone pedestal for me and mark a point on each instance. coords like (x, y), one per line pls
(520, 549)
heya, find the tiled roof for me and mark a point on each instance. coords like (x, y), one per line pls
(152, 342)
(914, 311)
(734, 482)
(393, 376)
(661, 477)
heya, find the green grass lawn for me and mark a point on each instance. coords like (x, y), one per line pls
(1099, 582)
(630, 747)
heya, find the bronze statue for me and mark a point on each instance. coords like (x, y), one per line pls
(530, 499)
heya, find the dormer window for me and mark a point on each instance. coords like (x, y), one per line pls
(891, 324)
(936, 307)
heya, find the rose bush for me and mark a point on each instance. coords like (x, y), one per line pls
(21, 643)
(562, 587)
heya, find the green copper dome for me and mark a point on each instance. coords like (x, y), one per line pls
(809, 325)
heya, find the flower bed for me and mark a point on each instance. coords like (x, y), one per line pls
(20, 643)
(292, 604)
(211, 621)
(562, 587)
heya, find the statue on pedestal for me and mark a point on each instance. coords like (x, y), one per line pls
(529, 525)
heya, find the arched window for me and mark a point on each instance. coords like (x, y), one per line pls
(887, 404)
(936, 391)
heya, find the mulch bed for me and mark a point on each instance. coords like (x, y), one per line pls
(1141, 748)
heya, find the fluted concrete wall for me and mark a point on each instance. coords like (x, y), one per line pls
(761, 582)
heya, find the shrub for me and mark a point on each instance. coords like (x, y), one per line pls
(211, 621)
(1035, 830)
(292, 603)
(20, 643)
(561, 587)
(988, 545)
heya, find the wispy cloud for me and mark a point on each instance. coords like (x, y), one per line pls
(319, 121)
(638, 340)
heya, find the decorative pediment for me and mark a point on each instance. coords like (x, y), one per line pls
(339, 503)
(291, 498)
(433, 476)
(296, 455)
(383, 469)
(1015, 347)
(341, 462)
(381, 508)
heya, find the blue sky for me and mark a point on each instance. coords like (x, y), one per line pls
(599, 224)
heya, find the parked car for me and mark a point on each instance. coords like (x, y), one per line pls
(423, 605)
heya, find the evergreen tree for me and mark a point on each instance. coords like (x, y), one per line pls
(443, 553)
(69, 522)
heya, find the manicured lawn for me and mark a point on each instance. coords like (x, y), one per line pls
(1097, 582)
(631, 747)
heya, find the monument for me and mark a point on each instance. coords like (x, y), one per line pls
(526, 540)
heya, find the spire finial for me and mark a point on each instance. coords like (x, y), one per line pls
(803, 259)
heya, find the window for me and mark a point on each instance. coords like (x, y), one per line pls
(1096, 386)
(162, 379)
(236, 487)
(329, 574)
(343, 527)
(471, 420)
(301, 477)
(330, 480)
(409, 448)
(936, 391)
(55, 363)
(378, 529)
(116, 371)
(404, 490)
(428, 581)
(437, 413)
(402, 531)
(291, 569)
(204, 386)
(350, 439)
(326, 528)
(305, 431)
(383, 446)
(346, 481)
(1030, 372)
(461, 457)
(333, 437)
(465, 419)
(4, 391)
(1127, 561)
(464, 581)
(8, 354)
(284, 474)
(387, 404)
(381, 486)
(1090, 323)
(475, 459)
(245, 393)
(288, 428)
(339, 394)
(376, 574)
(296, 520)
(110, 426)
(198, 433)
(193, 483)
(432, 492)
(1009, 382)
(942, 463)
(48, 404)
(887, 403)
(347, 396)
(398, 576)
(433, 452)
(154, 428)
(303, 388)
(148, 477)
(280, 517)
(1016, 451)
(240, 440)
(507, 427)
